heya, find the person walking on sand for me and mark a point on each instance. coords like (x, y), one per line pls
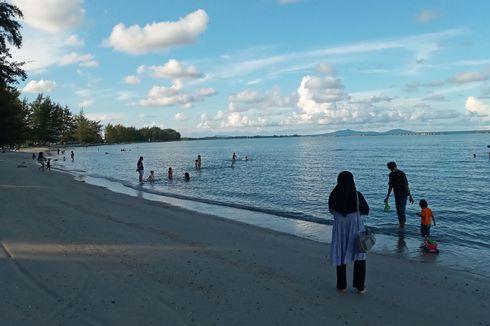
(140, 169)
(344, 202)
(399, 184)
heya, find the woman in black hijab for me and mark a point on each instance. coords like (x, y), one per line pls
(342, 203)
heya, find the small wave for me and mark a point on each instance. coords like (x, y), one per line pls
(285, 214)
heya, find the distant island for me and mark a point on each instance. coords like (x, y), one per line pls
(350, 132)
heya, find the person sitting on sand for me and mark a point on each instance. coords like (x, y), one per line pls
(170, 173)
(426, 217)
(187, 176)
(151, 177)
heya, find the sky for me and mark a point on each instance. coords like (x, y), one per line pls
(262, 67)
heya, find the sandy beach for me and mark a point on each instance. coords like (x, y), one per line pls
(77, 254)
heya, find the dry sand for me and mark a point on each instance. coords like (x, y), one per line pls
(76, 254)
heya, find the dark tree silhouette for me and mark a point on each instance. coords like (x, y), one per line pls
(10, 71)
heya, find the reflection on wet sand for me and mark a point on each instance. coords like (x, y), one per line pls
(401, 245)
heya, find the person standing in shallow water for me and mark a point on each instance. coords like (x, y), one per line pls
(343, 205)
(140, 169)
(399, 184)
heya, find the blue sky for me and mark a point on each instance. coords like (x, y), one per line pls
(220, 67)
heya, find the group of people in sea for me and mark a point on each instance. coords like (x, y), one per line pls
(347, 205)
(197, 164)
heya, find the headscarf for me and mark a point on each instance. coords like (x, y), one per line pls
(343, 199)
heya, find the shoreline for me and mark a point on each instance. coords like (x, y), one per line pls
(80, 254)
(404, 245)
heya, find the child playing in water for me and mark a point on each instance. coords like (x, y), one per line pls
(151, 177)
(427, 216)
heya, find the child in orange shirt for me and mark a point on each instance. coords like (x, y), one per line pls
(427, 216)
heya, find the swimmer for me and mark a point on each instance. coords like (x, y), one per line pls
(199, 162)
(151, 177)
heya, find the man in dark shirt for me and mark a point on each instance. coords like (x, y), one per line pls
(399, 184)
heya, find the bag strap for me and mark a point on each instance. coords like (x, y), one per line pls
(358, 213)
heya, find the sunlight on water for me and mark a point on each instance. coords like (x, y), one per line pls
(292, 178)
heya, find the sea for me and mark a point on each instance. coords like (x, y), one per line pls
(283, 183)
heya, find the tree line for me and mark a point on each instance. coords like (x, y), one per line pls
(43, 121)
(122, 134)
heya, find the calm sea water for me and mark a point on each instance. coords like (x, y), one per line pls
(292, 178)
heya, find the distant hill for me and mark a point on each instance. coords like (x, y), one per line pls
(349, 132)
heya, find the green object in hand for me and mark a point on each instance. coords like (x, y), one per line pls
(387, 207)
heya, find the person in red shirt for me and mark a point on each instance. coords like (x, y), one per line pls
(426, 218)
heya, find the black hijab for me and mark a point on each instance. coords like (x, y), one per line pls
(343, 199)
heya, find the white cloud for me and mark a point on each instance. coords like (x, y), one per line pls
(252, 100)
(477, 107)
(318, 95)
(167, 96)
(124, 96)
(206, 91)
(39, 86)
(232, 120)
(39, 50)
(132, 79)
(52, 15)
(172, 69)
(105, 117)
(471, 76)
(426, 16)
(158, 37)
(180, 117)
(325, 68)
(74, 40)
(83, 92)
(419, 47)
(83, 60)
(86, 103)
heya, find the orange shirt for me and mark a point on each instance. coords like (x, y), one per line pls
(426, 216)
